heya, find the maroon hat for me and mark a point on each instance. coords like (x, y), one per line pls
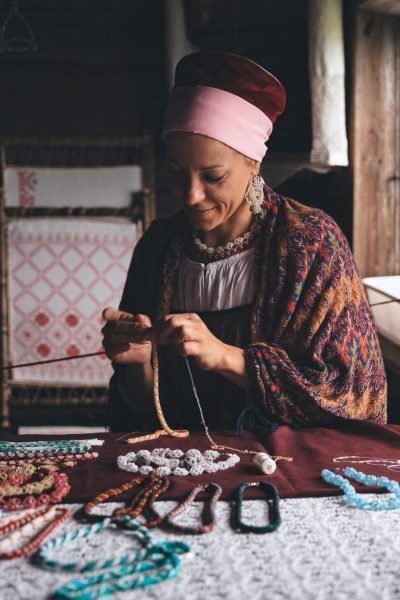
(227, 97)
(235, 74)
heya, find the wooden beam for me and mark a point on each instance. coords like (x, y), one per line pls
(375, 144)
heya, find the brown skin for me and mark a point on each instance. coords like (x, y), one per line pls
(213, 199)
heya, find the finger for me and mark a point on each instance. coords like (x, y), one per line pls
(114, 314)
(182, 317)
(132, 337)
(167, 334)
(115, 328)
(143, 319)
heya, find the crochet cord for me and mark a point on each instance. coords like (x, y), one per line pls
(166, 430)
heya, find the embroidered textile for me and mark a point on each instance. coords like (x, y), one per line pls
(61, 279)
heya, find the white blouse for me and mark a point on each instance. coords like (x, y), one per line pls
(222, 284)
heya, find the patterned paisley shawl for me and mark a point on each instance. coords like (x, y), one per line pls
(314, 353)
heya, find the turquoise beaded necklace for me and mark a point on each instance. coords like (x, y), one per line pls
(355, 499)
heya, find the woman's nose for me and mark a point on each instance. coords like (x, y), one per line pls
(194, 192)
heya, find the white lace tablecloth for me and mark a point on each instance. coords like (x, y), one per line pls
(322, 550)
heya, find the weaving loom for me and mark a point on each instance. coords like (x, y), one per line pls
(58, 275)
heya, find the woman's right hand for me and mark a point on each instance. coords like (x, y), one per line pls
(123, 335)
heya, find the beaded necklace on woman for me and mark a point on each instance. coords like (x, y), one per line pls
(195, 249)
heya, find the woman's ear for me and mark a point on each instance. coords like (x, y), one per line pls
(255, 168)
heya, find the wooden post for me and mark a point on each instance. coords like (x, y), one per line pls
(4, 329)
(148, 170)
(376, 143)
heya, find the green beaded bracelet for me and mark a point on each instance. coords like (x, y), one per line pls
(272, 498)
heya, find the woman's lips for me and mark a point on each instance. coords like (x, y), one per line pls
(197, 211)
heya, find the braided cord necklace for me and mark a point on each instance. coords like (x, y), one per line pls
(166, 429)
(131, 571)
(111, 492)
(38, 538)
(36, 447)
(67, 460)
(142, 501)
(208, 521)
(153, 487)
(272, 498)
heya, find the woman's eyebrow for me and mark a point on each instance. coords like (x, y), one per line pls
(200, 168)
(210, 167)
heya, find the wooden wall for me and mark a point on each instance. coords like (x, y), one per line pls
(376, 143)
(99, 70)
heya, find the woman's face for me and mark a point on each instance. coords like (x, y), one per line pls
(207, 178)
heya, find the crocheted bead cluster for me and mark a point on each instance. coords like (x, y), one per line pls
(165, 462)
(61, 489)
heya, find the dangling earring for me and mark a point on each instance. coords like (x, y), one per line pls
(255, 194)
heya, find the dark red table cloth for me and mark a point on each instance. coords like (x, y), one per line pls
(312, 450)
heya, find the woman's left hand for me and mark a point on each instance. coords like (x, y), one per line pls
(193, 338)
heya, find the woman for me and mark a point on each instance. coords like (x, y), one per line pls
(259, 291)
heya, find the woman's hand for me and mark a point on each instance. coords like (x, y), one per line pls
(192, 337)
(123, 337)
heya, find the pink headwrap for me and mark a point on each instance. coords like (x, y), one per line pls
(226, 97)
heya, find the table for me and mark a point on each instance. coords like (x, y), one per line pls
(323, 550)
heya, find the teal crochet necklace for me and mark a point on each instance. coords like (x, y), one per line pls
(153, 563)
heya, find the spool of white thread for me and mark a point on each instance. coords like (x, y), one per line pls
(265, 463)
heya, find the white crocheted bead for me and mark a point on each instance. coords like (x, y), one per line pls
(222, 465)
(175, 453)
(211, 454)
(144, 453)
(160, 451)
(211, 468)
(190, 461)
(126, 465)
(180, 471)
(232, 459)
(160, 461)
(145, 469)
(193, 453)
(163, 471)
(130, 456)
(197, 470)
